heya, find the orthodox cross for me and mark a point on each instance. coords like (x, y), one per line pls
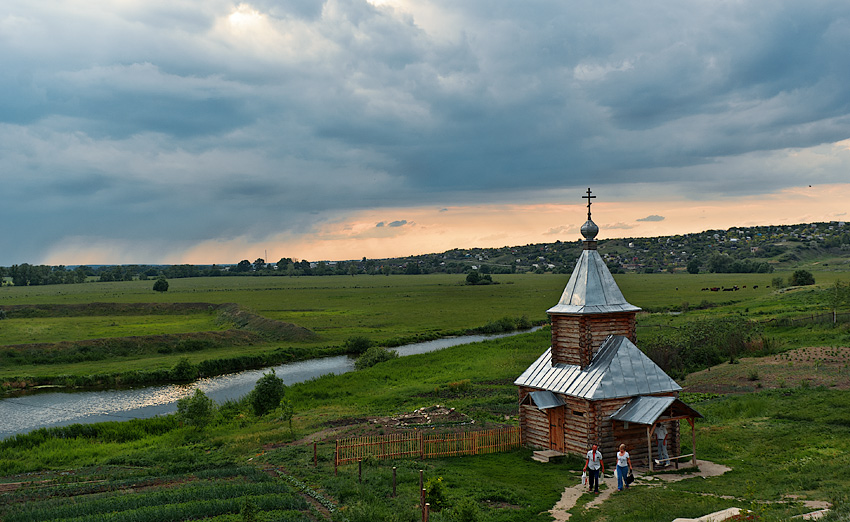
(588, 197)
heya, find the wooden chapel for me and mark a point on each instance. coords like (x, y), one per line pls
(594, 385)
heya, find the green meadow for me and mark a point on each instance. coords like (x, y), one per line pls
(785, 442)
(388, 310)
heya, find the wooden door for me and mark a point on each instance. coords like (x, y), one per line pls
(556, 428)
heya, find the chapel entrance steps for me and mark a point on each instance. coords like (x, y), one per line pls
(546, 455)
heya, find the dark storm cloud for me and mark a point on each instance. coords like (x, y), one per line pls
(187, 120)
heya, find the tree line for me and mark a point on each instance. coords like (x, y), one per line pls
(34, 275)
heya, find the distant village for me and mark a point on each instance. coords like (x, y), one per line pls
(760, 249)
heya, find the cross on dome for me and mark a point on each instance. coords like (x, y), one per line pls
(589, 229)
(588, 197)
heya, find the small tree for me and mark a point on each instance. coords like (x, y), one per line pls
(801, 278)
(286, 413)
(161, 284)
(267, 394)
(693, 266)
(196, 410)
(837, 297)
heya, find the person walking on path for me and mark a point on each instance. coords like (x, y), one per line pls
(624, 467)
(661, 437)
(595, 466)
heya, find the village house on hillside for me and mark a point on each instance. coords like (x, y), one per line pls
(593, 385)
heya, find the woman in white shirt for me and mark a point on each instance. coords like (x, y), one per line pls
(624, 466)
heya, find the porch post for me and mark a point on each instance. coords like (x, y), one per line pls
(693, 441)
(649, 445)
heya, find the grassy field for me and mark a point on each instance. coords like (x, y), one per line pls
(780, 422)
(783, 445)
(387, 310)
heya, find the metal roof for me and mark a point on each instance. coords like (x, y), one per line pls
(618, 369)
(647, 410)
(592, 289)
(545, 399)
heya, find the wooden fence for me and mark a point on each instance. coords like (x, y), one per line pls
(822, 318)
(426, 445)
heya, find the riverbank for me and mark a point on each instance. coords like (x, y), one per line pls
(121, 334)
(55, 406)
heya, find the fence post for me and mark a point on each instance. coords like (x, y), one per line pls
(336, 458)
(422, 444)
(315, 456)
(425, 513)
(393, 481)
(360, 471)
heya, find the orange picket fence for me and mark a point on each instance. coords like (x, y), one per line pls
(426, 445)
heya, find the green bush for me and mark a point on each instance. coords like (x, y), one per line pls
(357, 344)
(435, 493)
(466, 510)
(184, 371)
(196, 410)
(373, 356)
(801, 278)
(267, 394)
(505, 324)
(161, 284)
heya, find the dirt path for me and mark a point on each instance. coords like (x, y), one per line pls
(571, 494)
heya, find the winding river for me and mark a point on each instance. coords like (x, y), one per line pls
(52, 408)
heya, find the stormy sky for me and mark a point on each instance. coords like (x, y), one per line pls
(212, 131)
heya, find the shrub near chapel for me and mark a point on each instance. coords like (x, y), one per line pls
(267, 394)
(196, 410)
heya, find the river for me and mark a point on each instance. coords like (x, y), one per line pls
(60, 408)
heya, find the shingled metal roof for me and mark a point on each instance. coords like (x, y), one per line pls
(618, 369)
(647, 410)
(591, 289)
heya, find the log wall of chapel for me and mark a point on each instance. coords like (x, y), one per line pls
(588, 422)
(576, 337)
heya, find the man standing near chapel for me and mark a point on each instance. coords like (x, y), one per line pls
(661, 437)
(595, 465)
